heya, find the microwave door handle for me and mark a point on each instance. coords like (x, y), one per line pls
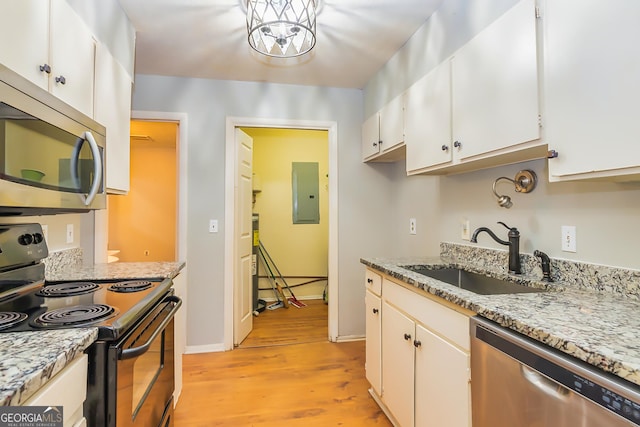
(97, 168)
(130, 353)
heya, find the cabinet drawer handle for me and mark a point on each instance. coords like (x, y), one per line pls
(369, 280)
(445, 148)
(46, 68)
(417, 344)
(375, 311)
(61, 80)
(407, 337)
(457, 144)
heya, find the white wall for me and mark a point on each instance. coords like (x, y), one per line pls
(362, 189)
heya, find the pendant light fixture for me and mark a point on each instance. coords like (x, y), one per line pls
(282, 28)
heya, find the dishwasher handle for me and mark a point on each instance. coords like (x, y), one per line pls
(544, 384)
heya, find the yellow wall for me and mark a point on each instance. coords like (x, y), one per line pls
(297, 249)
(142, 224)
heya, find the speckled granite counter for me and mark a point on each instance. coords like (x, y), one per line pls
(115, 271)
(29, 359)
(601, 328)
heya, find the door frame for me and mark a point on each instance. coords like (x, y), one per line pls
(229, 224)
(181, 120)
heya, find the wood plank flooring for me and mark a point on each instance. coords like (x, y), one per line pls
(282, 382)
(290, 326)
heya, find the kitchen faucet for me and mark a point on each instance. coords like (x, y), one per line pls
(513, 243)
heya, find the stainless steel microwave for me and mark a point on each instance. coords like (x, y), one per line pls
(52, 157)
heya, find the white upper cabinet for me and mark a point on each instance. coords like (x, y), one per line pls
(383, 133)
(113, 110)
(495, 85)
(49, 44)
(24, 39)
(371, 137)
(428, 120)
(592, 71)
(72, 57)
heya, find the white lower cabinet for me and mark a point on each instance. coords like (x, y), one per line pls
(425, 358)
(373, 351)
(68, 388)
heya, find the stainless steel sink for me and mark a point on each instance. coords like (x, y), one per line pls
(474, 282)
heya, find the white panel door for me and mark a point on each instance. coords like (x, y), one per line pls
(495, 85)
(428, 120)
(592, 67)
(397, 364)
(24, 38)
(392, 124)
(442, 382)
(373, 337)
(243, 239)
(371, 136)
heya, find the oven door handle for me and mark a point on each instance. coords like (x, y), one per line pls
(130, 353)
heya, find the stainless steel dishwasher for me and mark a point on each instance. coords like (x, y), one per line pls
(518, 382)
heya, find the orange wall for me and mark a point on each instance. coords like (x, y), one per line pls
(142, 224)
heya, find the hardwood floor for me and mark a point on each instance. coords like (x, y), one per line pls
(290, 326)
(288, 381)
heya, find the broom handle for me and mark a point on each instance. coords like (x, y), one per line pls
(270, 276)
(262, 247)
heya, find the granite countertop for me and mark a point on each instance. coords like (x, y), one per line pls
(600, 328)
(28, 360)
(117, 271)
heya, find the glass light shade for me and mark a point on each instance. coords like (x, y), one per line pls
(282, 28)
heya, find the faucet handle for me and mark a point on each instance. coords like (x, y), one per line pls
(505, 225)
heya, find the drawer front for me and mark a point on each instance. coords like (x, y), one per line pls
(373, 282)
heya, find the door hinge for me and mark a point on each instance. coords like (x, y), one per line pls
(538, 13)
(539, 120)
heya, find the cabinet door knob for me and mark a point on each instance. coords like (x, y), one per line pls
(457, 144)
(407, 337)
(46, 68)
(369, 280)
(375, 311)
(61, 80)
(445, 148)
(375, 144)
(417, 344)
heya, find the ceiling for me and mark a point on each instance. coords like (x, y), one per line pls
(208, 39)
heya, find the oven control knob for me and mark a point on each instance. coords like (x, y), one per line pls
(25, 239)
(37, 238)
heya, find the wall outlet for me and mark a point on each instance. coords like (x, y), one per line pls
(213, 226)
(465, 234)
(568, 238)
(412, 226)
(69, 233)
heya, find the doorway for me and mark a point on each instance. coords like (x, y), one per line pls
(151, 203)
(231, 214)
(291, 210)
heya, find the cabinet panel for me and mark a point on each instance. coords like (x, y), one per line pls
(428, 120)
(398, 332)
(392, 124)
(371, 136)
(72, 56)
(442, 382)
(592, 64)
(113, 110)
(495, 85)
(373, 348)
(24, 38)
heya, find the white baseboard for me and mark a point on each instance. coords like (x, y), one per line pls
(348, 338)
(209, 348)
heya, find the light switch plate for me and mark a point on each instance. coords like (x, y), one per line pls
(69, 233)
(213, 226)
(569, 238)
(465, 234)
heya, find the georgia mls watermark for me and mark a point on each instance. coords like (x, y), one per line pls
(30, 416)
